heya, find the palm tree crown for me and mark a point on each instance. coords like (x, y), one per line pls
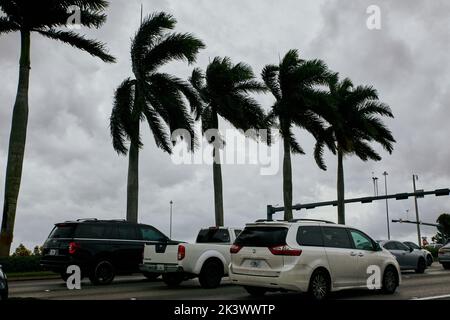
(46, 17)
(154, 96)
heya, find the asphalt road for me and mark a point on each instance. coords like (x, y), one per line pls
(434, 284)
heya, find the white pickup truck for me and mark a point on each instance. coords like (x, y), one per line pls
(208, 258)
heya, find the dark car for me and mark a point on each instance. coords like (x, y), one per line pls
(408, 258)
(101, 248)
(3, 285)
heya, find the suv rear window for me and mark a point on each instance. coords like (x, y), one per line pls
(213, 236)
(310, 236)
(61, 231)
(90, 231)
(262, 237)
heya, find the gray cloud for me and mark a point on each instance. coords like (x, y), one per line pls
(71, 170)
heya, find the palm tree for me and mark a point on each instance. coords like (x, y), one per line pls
(356, 125)
(154, 96)
(299, 102)
(225, 91)
(45, 17)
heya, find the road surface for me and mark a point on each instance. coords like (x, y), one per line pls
(434, 284)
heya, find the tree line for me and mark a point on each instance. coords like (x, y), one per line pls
(343, 118)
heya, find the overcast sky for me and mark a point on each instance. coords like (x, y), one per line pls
(71, 170)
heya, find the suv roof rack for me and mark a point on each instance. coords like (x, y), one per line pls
(87, 219)
(312, 220)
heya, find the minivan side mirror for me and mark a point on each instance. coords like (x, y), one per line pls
(411, 249)
(377, 247)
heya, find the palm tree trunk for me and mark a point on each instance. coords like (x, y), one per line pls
(133, 182)
(287, 181)
(217, 177)
(340, 188)
(17, 140)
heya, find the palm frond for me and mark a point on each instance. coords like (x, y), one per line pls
(121, 123)
(6, 25)
(318, 155)
(158, 129)
(270, 77)
(93, 47)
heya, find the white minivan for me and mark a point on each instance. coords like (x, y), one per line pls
(310, 256)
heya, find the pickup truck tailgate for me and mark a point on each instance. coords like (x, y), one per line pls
(161, 253)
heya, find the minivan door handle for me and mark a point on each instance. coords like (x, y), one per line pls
(361, 254)
(353, 254)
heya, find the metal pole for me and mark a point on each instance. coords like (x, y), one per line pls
(170, 232)
(417, 211)
(385, 174)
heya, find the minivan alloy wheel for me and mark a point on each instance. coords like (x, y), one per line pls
(319, 286)
(390, 280)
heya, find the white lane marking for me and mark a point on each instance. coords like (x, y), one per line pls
(433, 298)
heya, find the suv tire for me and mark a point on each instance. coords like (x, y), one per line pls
(173, 279)
(421, 266)
(103, 273)
(446, 266)
(319, 285)
(211, 274)
(256, 291)
(390, 280)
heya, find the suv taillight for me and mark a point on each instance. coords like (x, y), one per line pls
(73, 247)
(235, 248)
(285, 250)
(181, 252)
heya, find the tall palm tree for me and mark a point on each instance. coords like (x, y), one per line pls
(225, 91)
(295, 84)
(355, 126)
(47, 18)
(152, 95)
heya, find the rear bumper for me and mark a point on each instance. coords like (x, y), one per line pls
(59, 264)
(291, 280)
(160, 268)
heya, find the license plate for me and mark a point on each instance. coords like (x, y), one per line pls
(255, 263)
(160, 267)
(53, 252)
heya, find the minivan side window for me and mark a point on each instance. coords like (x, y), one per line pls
(336, 238)
(361, 241)
(310, 236)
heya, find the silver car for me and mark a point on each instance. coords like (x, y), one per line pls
(427, 254)
(444, 256)
(408, 258)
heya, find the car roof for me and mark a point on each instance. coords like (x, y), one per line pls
(94, 220)
(297, 222)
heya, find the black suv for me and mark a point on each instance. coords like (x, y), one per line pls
(101, 248)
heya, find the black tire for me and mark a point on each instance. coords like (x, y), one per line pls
(319, 285)
(446, 266)
(390, 280)
(421, 266)
(256, 291)
(173, 280)
(151, 276)
(103, 273)
(429, 260)
(211, 274)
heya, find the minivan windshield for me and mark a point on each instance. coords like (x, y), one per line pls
(62, 231)
(262, 237)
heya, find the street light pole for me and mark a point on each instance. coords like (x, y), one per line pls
(415, 177)
(385, 174)
(170, 232)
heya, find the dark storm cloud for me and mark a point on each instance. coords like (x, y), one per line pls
(71, 170)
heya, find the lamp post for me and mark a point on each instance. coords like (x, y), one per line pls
(170, 232)
(416, 177)
(385, 174)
